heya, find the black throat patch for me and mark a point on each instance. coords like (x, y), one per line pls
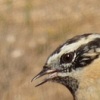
(71, 83)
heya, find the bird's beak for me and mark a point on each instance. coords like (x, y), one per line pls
(45, 71)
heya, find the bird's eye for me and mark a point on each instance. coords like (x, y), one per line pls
(66, 58)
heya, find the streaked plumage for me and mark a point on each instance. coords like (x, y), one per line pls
(76, 65)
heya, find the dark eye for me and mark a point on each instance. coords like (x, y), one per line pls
(66, 58)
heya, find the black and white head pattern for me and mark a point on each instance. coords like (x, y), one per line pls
(68, 60)
(75, 53)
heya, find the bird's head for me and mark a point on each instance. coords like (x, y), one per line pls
(66, 63)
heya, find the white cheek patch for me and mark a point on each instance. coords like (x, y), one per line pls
(74, 73)
(67, 65)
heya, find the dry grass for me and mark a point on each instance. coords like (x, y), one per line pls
(29, 31)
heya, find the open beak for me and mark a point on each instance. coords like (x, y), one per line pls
(45, 71)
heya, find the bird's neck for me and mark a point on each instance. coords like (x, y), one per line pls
(90, 93)
(89, 82)
(69, 82)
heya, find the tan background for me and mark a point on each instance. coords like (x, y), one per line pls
(29, 31)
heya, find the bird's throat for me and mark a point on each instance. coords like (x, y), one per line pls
(69, 82)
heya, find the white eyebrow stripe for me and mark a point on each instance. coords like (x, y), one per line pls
(72, 47)
(77, 44)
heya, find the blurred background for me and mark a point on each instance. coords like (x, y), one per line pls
(29, 31)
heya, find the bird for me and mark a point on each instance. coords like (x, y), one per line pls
(76, 65)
